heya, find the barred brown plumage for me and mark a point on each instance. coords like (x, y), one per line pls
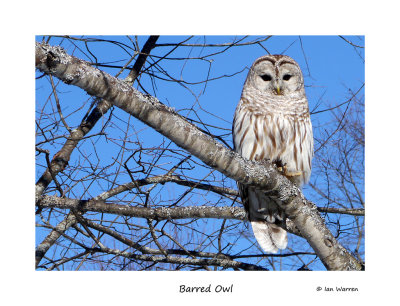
(272, 121)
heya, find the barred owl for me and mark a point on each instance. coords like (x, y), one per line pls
(272, 121)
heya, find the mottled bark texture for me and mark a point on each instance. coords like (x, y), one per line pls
(71, 70)
(140, 212)
(45, 245)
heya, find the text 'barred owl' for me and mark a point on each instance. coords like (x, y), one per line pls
(272, 121)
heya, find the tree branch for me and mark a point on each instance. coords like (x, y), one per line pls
(143, 212)
(45, 245)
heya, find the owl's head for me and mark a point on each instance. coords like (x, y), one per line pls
(276, 75)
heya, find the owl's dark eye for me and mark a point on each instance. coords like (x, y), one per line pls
(266, 77)
(286, 77)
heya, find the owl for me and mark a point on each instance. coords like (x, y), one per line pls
(272, 122)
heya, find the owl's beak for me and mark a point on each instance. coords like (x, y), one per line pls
(278, 89)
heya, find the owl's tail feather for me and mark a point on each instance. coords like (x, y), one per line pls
(269, 236)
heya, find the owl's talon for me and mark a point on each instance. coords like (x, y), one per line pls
(285, 172)
(293, 173)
